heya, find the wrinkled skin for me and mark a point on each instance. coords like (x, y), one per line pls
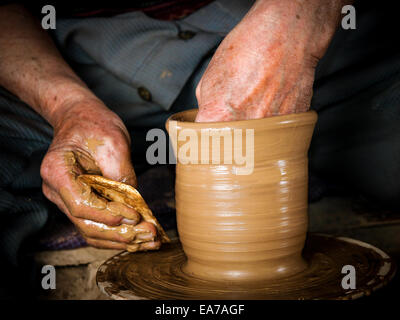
(89, 138)
(265, 66)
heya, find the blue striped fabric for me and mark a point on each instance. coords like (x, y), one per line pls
(132, 50)
(24, 137)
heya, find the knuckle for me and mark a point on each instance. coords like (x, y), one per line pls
(198, 92)
(45, 169)
(48, 166)
(73, 209)
(120, 141)
(124, 240)
(112, 220)
(76, 210)
(91, 242)
(83, 231)
(100, 217)
(45, 190)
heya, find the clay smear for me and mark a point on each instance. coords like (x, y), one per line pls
(124, 194)
(92, 144)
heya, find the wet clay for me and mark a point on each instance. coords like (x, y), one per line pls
(79, 162)
(112, 198)
(159, 275)
(92, 144)
(129, 232)
(245, 227)
(120, 195)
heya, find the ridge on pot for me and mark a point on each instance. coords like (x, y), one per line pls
(241, 195)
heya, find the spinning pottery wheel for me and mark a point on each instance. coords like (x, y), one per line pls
(159, 275)
(242, 222)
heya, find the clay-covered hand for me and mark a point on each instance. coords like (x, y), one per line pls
(89, 138)
(265, 65)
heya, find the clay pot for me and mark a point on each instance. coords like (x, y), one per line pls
(235, 225)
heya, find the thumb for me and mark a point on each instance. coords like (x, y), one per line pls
(113, 157)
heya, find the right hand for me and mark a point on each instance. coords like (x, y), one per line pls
(90, 138)
(265, 66)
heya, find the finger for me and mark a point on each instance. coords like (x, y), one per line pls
(146, 227)
(215, 114)
(106, 244)
(52, 196)
(131, 216)
(83, 203)
(123, 233)
(113, 157)
(60, 170)
(144, 246)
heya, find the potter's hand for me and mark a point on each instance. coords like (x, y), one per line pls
(265, 66)
(89, 138)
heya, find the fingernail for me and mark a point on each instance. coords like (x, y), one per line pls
(145, 236)
(128, 221)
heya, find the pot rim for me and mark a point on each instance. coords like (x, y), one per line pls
(288, 120)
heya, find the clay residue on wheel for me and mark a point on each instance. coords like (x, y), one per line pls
(159, 275)
(126, 194)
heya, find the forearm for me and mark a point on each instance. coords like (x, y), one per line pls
(32, 68)
(320, 17)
